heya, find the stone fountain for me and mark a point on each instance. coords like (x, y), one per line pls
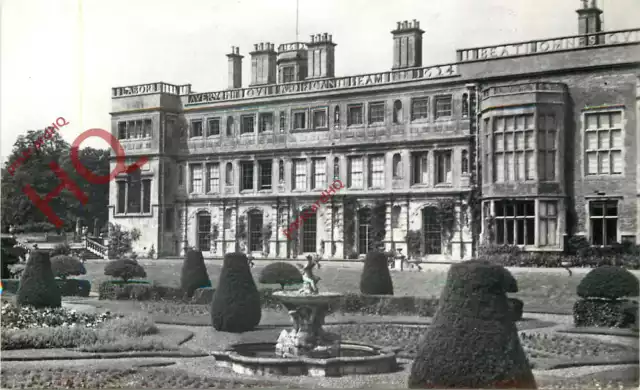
(306, 348)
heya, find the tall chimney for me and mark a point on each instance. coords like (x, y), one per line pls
(407, 45)
(589, 22)
(235, 68)
(263, 64)
(321, 56)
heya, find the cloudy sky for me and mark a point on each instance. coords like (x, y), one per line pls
(61, 57)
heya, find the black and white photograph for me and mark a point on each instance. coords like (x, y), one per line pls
(304, 194)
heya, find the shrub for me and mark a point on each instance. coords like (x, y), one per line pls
(121, 240)
(10, 286)
(38, 286)
(194, 272)
(60, 249)
(236, 302)
(607, 313)
(74, 287)
(124, 269)
(280, 273)
(375, 278)
(64, 266)
(138, 291)
(475, 327)
(608, 282)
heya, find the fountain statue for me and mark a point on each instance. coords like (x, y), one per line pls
(307, 309)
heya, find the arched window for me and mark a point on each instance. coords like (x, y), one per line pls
(465, 162)
(228, 174)
(281, 171)
(397, 166)
(465, 105)
(395, 217)
(397, 111)
(229, 126)
(336, 116)
(204, 231)
(336, 168)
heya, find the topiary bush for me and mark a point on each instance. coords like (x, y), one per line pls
(473, 341)
(280, 273)
(375, 278)
(64, 266)
(60, 249)
(125, 269)
(194, 272)
(608, 282)
(38, 287)
(236, 302)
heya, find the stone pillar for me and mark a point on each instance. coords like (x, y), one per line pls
(388, 231)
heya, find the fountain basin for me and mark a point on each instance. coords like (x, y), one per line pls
(297, 299)
(262, 359)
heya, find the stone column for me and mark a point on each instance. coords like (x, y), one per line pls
(388, 231)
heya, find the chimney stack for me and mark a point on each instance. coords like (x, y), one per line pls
(263, 64)
(235, 68)
(589, 22)
(407, 45)
(321, 56)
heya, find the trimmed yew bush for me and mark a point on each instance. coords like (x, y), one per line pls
(280, 273)
(194, 273)
(608, 282)
(64, 266)
(38, 287)
(236, 302)
(473, 341)
(375, 278)
(125, 269)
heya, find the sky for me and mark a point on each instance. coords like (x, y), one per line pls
(60, 58)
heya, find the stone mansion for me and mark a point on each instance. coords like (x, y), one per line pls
(524, 143)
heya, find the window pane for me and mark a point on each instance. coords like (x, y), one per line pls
(121, 196)
(509, 141)
(500, 233)
(531, 166)
(592, 121)
(543, 232)
(550, 166)
(521, 166)
(604, 121)
(498, 142)
(146, 196)
(550, 122)
(499, 168)
(612, 209)
(319, 119)
(529, 121)
(616, 162)
(509, 166)
(520, 122)
(510, 232)
(592, 140)
(551, 140)
(616, 119)
(603, 140)
(510, 123)
(519, 141)
(592, 163)
(603, 162)
(616, 138)
(419, 108)
(520, 232)
(611, 231)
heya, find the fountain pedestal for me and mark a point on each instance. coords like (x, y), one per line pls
(307, 338)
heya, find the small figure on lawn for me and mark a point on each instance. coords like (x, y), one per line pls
(309, 280)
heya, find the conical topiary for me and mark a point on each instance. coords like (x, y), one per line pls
(236, 302)
(38, 286)
(375, 278)
(473, 342)
(194, 272)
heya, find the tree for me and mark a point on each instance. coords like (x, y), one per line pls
(64, 266)
(194, 273)
(121, 240)
(10, 255)
(375, 278)
(125, 269)
(38, 286)
(280, 273)
(236, 302)
(473, 342)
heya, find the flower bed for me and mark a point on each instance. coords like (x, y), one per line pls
(14, 317)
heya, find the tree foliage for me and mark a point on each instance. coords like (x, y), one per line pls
(9, 255)
(64, 266)
(280, 273)
(125, 269)
(121, 240)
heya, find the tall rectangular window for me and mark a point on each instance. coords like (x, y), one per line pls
(300, 120)
(419, 168)
(247, 124)
(147, 128)
(196, 128)
(299, 174)
(376, 172)
(288, 74)
(513, 147)
(246, 175)
(320, 119)
(213, 126)
(134, 192)
(266, 173)
(196, 178)
(122, 196)
(548, 223)
(603, 218)
(180, 174)
(146, 196)
(354, 114)
(376, 112)
(443, 167)
(603, 143)
(515, 222)
(355, 174)
(283, 121)
(266, 122)
(443, 106)
(319, 175)
(213, 177)
(122, 130)
(419, 108)
(547, 147)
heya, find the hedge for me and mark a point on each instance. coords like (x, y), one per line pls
(506, 258)
(10, 285)
(137, 291)
(606, 313)
(74, 287)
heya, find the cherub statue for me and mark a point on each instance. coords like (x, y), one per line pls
(309, 280)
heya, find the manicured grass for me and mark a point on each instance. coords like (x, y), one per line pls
(550, 291)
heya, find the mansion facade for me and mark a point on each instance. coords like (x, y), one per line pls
(523, 144)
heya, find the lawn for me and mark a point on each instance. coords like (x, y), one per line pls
(552, 291)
